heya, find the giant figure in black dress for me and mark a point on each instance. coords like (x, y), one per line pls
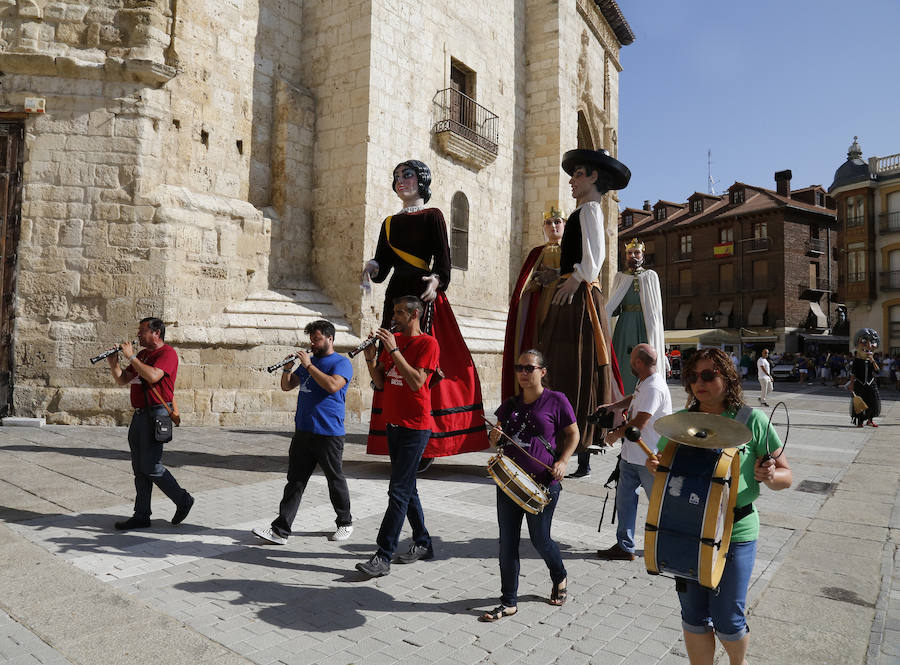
(413, 249)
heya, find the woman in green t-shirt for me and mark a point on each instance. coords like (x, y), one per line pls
(713, 386)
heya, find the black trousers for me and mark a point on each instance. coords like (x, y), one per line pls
(307, 451)
(146, 463)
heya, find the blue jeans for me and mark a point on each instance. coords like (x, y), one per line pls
(722, 609)
(631, 478)
(509, 519)
(146, 463)
(405, 447)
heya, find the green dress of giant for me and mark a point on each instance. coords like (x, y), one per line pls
(630, 331)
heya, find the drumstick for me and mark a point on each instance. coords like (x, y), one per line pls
(516, 443)
(633, 434)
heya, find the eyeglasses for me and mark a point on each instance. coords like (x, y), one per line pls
(528, 369)
(707, 375)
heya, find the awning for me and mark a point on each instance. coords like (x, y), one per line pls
(707, 336)
(821, 319)
(826, 339)
(757, 312)
(724, 312)
(684, 311)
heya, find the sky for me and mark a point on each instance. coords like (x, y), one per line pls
(765, 85)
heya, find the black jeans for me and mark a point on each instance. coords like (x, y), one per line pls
(146, 456)
(308, 450)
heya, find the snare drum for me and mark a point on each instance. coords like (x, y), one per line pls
(527, 493)
(691, 513)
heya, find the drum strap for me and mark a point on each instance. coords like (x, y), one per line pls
(742, 416)
(742, 512)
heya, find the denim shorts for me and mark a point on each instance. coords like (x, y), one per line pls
(722, 609)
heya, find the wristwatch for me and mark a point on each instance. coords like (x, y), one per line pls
(396, 348)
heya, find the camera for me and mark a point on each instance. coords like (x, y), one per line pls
(602, 418)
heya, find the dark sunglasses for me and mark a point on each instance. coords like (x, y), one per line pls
(528, 369)
(707, 375)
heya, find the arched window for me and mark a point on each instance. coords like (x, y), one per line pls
(459, 231)
(585, 140)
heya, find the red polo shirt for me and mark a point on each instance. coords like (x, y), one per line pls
(163, 358)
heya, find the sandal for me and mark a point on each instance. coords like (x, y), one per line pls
(558, 596)
(498, 613)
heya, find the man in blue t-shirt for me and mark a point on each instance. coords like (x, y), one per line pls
(319, 432)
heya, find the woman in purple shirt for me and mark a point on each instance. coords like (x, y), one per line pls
(537, 416)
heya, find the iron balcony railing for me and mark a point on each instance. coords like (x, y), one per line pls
(856, 220)
(462, 115)
(682, 291)
(890, 281)
(815, 246)
(820, 285)
(756, 244)
(890, 221)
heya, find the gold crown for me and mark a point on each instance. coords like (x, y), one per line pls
(635, 244)
(553, 213)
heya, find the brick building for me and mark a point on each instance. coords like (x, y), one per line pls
(748, 267)
(867, 194)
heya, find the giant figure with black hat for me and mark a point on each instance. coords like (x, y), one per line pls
(576, 344)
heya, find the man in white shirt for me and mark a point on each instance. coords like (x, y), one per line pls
(764, 373)
(651, 400)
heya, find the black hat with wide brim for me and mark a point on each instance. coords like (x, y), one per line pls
(617, 173)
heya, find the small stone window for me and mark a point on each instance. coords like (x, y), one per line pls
(697, 205)
(627, 220)
(737, 196)
(459, 231)
(661, 213)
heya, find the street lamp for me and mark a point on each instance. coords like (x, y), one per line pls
(711, 317)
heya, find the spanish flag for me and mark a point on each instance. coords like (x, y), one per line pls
(723, 249)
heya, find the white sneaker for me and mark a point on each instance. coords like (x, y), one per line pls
(342, 533)
(269, 535)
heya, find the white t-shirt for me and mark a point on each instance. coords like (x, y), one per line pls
(650, 396)
(762, 364)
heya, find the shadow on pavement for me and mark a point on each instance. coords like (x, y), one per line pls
(322, 609)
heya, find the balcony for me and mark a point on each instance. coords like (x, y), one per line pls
(815, 247)
(814, 291)
(684, 256)
(889, 281)
(679, 291)
(464, 129)
(856, 220)
(724, 288)
(758, 285)
(756, 244)
(890, 221)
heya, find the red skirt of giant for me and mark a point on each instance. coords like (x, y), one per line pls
(455, 400)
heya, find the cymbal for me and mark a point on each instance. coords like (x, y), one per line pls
(703, 430)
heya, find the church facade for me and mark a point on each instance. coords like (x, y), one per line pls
(226, 165)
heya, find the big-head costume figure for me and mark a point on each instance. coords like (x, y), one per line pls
(413, 249)
(576, 338)
(637, 301)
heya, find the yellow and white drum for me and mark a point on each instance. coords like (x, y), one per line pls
(517, 484)
(691, 512)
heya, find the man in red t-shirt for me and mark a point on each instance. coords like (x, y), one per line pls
(154, 365)
(408, 359)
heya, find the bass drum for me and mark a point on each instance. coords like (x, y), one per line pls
(691, 513)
